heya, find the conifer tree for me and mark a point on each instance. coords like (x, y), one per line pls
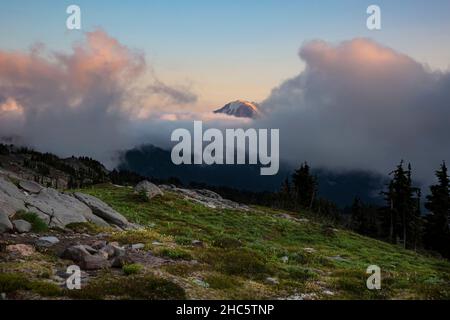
(305, 186)
(437, 233)
(403, 208)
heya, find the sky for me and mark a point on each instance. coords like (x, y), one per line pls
(236, 49)
(343, 97)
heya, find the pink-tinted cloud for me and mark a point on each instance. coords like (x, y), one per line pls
(360, 105)
(84, 101)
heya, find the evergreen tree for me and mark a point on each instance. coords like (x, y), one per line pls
(285, 195)
(364, 218)
(357, 219)
(402, 217)
(437, 233)
(305, 186)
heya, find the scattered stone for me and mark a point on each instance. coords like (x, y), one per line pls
(201, 283)
(291, 218)
(302, 296)
(47, 241)
(149, 189)
(338, 258)
(22, 226)
(206, 198)
(94, 262)
(138, 246)
(309, 250)
(272, 281)
(328, 293)
(21, 249)
(99, 244)
(30, 186)
(156, 243)
(197, 243)
(90, 249)
(285, 259)
(112, 250)
(120, 261)
(87, 261)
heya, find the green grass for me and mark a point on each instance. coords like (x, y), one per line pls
(142, 287)
(37, 224)
(130, 269)
(12, 282)
(175, 254)
(250, 245)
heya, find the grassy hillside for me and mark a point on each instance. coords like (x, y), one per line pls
(240, 250)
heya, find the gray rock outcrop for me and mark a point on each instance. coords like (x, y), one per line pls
(148, 189)
(22, 226)
(102, 210)
(207, 198)
(57, 209)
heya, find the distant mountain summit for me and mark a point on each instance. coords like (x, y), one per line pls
(241, 109)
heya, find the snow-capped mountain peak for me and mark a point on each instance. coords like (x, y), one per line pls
(241, 109)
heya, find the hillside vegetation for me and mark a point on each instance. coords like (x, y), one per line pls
(263, 253)
(188, 250)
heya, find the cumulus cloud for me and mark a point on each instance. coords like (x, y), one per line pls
(356, 105)
(360, 105)
(82, 102)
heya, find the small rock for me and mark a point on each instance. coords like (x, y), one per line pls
(90, 249)
(338, 258)
(285, 259)
(149, 189)
(118, 251)
(309, 250)
(272, 281)
(197, 243)
(94, 262)
(328, 293)
(138, 246)
(98, 244)
(302, 296)
(24, 250)
(87, 261)
(156, 243)
(47, 241)
(120, 261)
(22, 226)
(30, 186)
(201, 283)
(107, 251)
(75, 253)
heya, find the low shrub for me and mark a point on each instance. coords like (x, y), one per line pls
(243, 262)
(299, 274)
(85, 227)
(175, 254)
(11, 282)
(37, 224)
(227, 243)
(221, 281)
(130, 269)
(134, 287)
